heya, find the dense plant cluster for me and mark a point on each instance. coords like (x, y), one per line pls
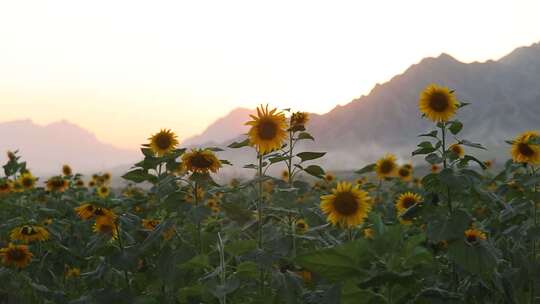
(460, 234)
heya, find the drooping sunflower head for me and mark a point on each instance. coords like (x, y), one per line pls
(16, 255)
(473, 236)
(5, 186)
(29, 233)
(106, 226)
(103, 191)
(150, 224)
(268, 130)
(457, 149)
(66, 170)
(523, 151)
(85, 211)
(347, 206)
(407, 200)
(201, 161)
(163, 142)
(298, 121)
(301, 226)
(57, 184)
(386, 166)
(404, 173)
(438, 103)
(27, 180)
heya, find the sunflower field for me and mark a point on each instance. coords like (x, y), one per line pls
(463, 233)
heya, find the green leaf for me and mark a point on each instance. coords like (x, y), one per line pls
(366, 169)
(305, 135)
(430, 134)
(433, 159)
(240, 247)
(138, 176)
(442, 228)
(305, 156)
(236, 145)
(477, 259)
(455, 127)
(471, 144)
(314, 170)
(421, 151)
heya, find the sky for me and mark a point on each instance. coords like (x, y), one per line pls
(125, 69)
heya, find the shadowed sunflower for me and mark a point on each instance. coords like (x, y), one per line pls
(29, 233)
(150, 224)
(437, 103)
(523, 151)
(201, 161)
(27, 180)
(85, 211)
(435, 168)
(301, 226)
(5, 186)
(404, 173)
(457, 149)
(163, 142)
(57, 184)
(406, 200)
(298, 121)
(66, 170)
(104, 212)
(79, 183)
(473, 236)
(16, 255)
(107, 226)
(106, 177)
(347, 206)
(103, 191)
(386, 166)
(268, 130)
(285, 175)
(72, 272)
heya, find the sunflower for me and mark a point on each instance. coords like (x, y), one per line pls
(301, 226)
(404, 173)
(103, 191)
(473, 236)
(66, 170)
(438, 103)
(299, 120)
(457, 149)
(5, 186)
(17, 187)
(150, 224)
(285, 175)
(106, 177)
(79, 183)
(106, 225)
(406, 200)
(386, 166)
(57, 184)
(201, 161)
(92, 183)
(329, 177)
(72, 272)
(85, 211)
(199, 196)
(435, 168)
(29, 233)
(27, 180)
(17, 255)
(488, 164)
(268, 130)
(169, 233)
(347, 206)
(369, 233)
(212, 203)
(104, 212)
(215, 210)
(525, 152)
(163, 142)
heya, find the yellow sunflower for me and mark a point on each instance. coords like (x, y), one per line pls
(150, 224)
(163, 142)
(72, 272)
(29, 233)
(17, 187)
(386, 166)
(417, 182)
(301, 226)
(57, 184)
(17, 255)
(212, 203)
(404, 173)
(347, 206)
(106, 225)
(66, 170)
(438, 103)
(79, 183)
(472, 236)
(329, 177)
(369, 233)
(201, 161)
(299, 120)
(85, 211)
(27, 180)
(525, 152)
(435, 168)
(5, 186)
(406, 200)
(104, 212)
(285, 175)
(457, 149)
(103, 191)
(268, 130)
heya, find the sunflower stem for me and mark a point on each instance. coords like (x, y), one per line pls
(289, 161)
(126, 277)
(533, 245)
(199, 232)
(293, 234)
(260, 220)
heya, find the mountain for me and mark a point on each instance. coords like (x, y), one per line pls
(504, 97)
(47, 148)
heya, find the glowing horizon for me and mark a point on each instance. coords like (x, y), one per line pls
(125, 69)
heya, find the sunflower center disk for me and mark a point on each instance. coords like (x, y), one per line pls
(525, 149)
(408, 203)
(199, 161)
(403, 172)
(387, 167)
(267, 130)
(438, 102)
(27, 182)
(163, 141)
(471, 238)
(16, 255)
(345, 203)
(28, 230)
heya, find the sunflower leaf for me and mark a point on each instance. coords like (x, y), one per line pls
(314, 170)
(471, 144)
(305, 156)
(366, 169)
(236, 145)
(430, 134)
(455, 127)
(305, 135)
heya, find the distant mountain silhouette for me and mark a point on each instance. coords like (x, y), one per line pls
(47, 148)
(504, 97)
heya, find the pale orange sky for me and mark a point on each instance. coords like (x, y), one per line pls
(125, 69)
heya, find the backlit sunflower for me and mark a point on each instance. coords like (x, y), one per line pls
(66, 170)
(27, 180)
(150, 224)
(85, 211)
(163, 142)
(473, 236)
(404, 173)
(103, 191)
(29, 233)
(16, 255)
(299, 120)
(457, 149)
(301, 226)
(406, 200)
(107, 226)
(57, 184)
(525, 152)
(437, 103)
(386, 166)
(268, 130)
(5, 186)
(347, 206)
(201, 161)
